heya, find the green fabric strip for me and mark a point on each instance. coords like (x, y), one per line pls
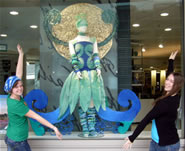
(74, 92)
(96, 93)
(85, 91)
(64, 96)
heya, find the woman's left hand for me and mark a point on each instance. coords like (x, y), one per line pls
(98, 72)
(128, 144)
(173, 55)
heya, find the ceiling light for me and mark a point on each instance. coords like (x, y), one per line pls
(3, 35)
(143, 49)
(14, 13)
(135, 25)
(167, 29)
(34, 26)
(151, 67)
(164, 14)
(161, 46)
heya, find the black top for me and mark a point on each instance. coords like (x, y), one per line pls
(165, 114)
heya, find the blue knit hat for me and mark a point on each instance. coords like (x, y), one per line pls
(10, 82)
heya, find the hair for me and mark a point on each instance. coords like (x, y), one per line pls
(15, 84)
(178, 83)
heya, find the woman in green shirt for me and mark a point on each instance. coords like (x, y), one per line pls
(18, 112)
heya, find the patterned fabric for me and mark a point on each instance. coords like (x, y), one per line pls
(10, 82)
(97, 61)
(83, 122)
(85, 59)
(91, 116)
(74, 61)
(88, 122)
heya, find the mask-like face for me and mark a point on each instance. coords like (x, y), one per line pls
(82, 29)
(81, 22)
(18, 89)
(169, 82)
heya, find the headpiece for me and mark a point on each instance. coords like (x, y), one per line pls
(10, 82)
(81, 20)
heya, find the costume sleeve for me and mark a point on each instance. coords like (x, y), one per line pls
(170, 66)
(75, 62)
(74, 58)
(157, 110)
(97, 61)
(96, 55)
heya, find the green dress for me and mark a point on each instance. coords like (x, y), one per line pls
(90, 87)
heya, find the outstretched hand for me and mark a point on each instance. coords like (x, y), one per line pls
(57, 132)
(19, 49)
(128, 144)
(173, 55)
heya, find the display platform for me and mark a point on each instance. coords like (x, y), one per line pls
(110, 142)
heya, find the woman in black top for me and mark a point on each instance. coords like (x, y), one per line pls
(163, 114)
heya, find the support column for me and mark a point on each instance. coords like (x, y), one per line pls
(124, 48)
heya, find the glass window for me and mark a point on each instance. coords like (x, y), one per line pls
(135, 39)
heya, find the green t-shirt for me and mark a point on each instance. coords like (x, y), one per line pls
(18, 122)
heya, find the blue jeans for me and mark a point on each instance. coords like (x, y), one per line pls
(17, 146)
(155, 147)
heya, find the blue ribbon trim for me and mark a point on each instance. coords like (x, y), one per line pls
(41, 102)
(123, 100)
(125, 117)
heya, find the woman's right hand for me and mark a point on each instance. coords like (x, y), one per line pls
(57, 132)
(128, 144)
(173, 55)
(19, 49)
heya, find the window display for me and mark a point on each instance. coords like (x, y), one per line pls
(133, 39)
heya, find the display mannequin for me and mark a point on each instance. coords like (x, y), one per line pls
(84, 86)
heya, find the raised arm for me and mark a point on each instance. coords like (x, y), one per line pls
(19, 68)
(170, 62)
